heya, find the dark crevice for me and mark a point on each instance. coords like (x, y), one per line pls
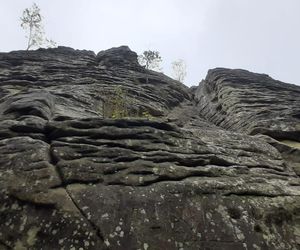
(53, 160)
(142, 172)
(234, 213)
(277, 134)
(20, 128)
(257, 228)
(77, 181)
(5, 245)
(255, 194)
(126, 159)
(113, 170)
(221, 241)
(89, 123)
(62, 118)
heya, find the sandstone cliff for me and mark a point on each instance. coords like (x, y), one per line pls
(210, 167)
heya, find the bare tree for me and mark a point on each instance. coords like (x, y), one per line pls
(150, 60)
(31, 22)
(179, 70)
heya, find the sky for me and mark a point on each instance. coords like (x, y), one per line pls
(258, 35)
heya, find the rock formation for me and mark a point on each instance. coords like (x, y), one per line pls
(210, 167)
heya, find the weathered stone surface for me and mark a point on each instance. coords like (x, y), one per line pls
(211, 167)
(251, 103)
(238, 100)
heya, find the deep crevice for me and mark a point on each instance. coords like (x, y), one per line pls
(5, 245)
(68, 182)
(255, 194)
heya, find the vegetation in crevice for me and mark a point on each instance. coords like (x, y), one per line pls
(118, 105)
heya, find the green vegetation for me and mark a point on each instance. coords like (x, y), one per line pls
(147, 115)
(117, 105)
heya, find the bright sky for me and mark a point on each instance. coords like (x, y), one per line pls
(259, 35)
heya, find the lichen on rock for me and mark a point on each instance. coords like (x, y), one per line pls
(216, 167)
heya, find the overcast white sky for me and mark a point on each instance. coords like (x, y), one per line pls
(258, 35)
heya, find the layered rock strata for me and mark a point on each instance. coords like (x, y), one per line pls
(211, 167)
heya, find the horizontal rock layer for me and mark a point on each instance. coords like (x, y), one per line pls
(212, 167)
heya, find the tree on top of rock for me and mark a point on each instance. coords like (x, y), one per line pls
(31, 22)
(150, 59)
(179, 70)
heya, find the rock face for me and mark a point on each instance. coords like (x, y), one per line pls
(211, 167)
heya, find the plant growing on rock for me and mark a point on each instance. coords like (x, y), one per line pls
(31, 22)
(147, 115)
(120, 104)
(150, 60)
(115, 106)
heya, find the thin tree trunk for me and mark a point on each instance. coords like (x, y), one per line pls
(30, 37)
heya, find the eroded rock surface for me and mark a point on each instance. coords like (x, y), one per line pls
(211, 167)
